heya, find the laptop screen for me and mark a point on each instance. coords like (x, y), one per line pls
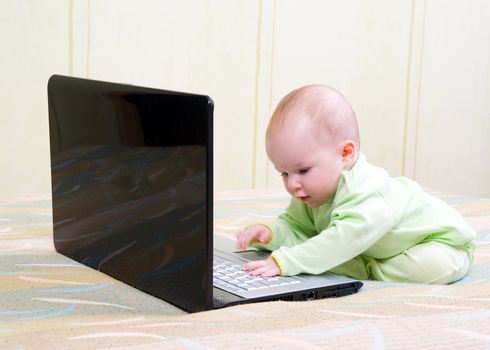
(131, 171)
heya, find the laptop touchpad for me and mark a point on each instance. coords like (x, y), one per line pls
(253, 254)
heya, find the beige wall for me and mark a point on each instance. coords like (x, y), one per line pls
(417, 73)
(33, 43)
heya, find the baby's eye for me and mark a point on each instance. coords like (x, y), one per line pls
(284, 174)
(303, 171)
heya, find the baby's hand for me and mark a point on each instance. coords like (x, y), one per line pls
(264, 268)
(253, 233)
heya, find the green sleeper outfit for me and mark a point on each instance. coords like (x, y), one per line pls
(375, 227)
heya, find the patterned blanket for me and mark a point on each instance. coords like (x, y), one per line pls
(48, 301)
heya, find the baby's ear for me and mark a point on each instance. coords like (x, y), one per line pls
(348, 151)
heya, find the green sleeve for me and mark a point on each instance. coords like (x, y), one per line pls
(354, 227)
(290, 228)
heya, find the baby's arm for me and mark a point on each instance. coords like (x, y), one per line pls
(257, 233)
(292, 227)
(354, 228)
(254, 233)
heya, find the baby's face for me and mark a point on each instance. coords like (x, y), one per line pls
(309, 162)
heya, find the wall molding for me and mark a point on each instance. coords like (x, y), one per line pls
(263, 89)
(79, 38)
(414, 79)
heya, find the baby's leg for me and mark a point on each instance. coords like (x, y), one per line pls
(430, 262)
(356, 268)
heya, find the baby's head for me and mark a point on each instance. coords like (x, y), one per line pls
(311, 138)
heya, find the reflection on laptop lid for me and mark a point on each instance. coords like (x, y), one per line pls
(132, 188)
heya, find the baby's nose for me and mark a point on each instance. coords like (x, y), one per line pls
(293, 182)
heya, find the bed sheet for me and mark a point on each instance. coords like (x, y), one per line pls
(48, 301)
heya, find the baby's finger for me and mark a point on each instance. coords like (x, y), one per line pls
(269, 271)
(258, 271)
(252, 265)
(242, 243)
(241, 237)
(263, 271)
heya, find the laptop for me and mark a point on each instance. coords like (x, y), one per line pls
(132, 196)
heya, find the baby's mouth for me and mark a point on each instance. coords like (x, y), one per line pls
(304, 198)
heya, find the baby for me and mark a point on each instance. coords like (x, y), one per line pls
(346, 215)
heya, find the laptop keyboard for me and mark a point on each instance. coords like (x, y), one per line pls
(228, 275)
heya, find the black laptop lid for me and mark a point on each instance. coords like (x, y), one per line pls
(132, 185)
